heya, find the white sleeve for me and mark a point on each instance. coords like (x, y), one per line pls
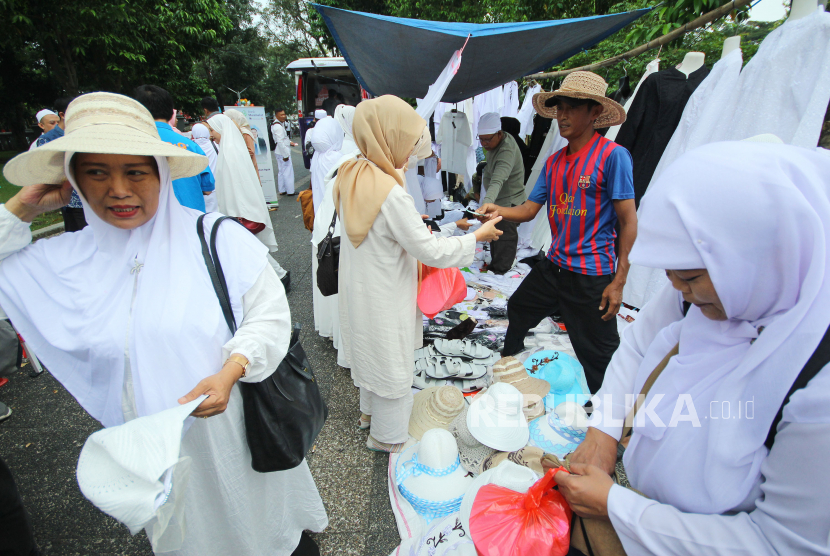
(409, 231)
(265, 331)
(464, 136)
(618, 385)
(14, 233)
(791, 517)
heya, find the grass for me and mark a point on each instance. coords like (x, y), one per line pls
(7, 191)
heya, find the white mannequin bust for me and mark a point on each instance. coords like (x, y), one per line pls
(802, 8)
(730, 44)
(692, 62)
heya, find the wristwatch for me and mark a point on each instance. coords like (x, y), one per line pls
(240, 360)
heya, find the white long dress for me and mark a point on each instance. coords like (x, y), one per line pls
(786, 513)
(229, 507)
(379, 317)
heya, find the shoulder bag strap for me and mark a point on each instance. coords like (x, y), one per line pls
(217, 278)
(652, 378)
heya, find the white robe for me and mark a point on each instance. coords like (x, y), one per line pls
(379, 317)
(282, 150)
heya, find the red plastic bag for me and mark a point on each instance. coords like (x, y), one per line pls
(508, 523)
(439, 289)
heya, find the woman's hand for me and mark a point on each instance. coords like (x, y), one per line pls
(218, 387)
(463, 224)
(37, 199)
(488, 230)
(586, 489)
(598, 449)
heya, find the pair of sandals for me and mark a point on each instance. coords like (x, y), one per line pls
(422, 381)
(441, 367)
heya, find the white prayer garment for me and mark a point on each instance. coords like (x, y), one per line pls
(455, 138)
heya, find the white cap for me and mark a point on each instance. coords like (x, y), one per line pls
(320, 114)
(489, 123)
(45, 112)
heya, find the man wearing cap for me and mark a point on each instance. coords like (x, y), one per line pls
(588, 187)
(503, 180)
(73, 213)
(46, 120)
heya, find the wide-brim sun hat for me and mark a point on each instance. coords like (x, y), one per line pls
(560, 431)
(435, 408)
(564, 374)
(583, 85)
(101, 123)
(511, 371)
(429, 475)
(496, 418)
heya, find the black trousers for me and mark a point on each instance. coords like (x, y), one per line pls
(503, 251)
(16, 537)
(577, 297)
(73, 219)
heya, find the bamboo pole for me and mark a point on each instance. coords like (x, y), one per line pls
(665, 39)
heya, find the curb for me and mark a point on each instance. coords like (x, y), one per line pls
(48, 231)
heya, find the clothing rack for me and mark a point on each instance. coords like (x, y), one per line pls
(705, 19)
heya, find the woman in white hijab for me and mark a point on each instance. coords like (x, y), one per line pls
(124, 315)
(247, 134)
(743, 230)
(344, 115)
(201, 136)
(327, 141)
(237, 184)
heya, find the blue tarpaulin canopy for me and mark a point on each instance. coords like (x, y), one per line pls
(403, 57)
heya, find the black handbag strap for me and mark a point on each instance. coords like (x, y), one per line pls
(214, 267)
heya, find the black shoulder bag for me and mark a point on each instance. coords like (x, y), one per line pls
(328, 261)
(285, 412)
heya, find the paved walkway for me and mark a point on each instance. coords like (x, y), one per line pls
(42, 439)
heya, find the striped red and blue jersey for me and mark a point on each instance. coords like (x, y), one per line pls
(579, 190)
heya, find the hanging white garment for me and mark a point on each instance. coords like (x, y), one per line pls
(510, 108)
(344, 114)
(327, 141)
(490, 101)
(537, 231)
(472, 117)
(238, 188)
(427, 105)
(455, 137)
(784, 90)
(703, 113)
(652, 67)
(527, 112)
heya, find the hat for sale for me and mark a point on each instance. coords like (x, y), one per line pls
(564, 374)
(430, 477)
(101, 123)
(507, 475)
(473, 453)
(582, 85)
(560, 431)
(511, 371)
(495, 418)
(133, 472)
(435, 408)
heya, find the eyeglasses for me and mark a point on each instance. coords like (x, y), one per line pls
(487, 138)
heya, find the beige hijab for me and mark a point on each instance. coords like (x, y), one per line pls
(241, 121)
(386, 130)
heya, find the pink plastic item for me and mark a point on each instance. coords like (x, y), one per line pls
(439, 289)
(508, 523)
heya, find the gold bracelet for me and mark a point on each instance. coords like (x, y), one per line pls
(240, 360)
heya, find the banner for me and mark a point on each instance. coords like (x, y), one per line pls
(259, 125)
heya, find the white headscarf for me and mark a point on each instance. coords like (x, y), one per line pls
(201, 136)
(757, 217)
(327, 141)
(237, 184)
(78, 298)
(344, 114)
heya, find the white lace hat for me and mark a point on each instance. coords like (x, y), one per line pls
(495, 418)
(133, 472)
(103, 123)
(560, 431)
(430, 477)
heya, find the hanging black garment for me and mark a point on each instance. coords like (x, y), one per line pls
(623, 92)
(652, 119)
(541, 126)
(513, 127)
